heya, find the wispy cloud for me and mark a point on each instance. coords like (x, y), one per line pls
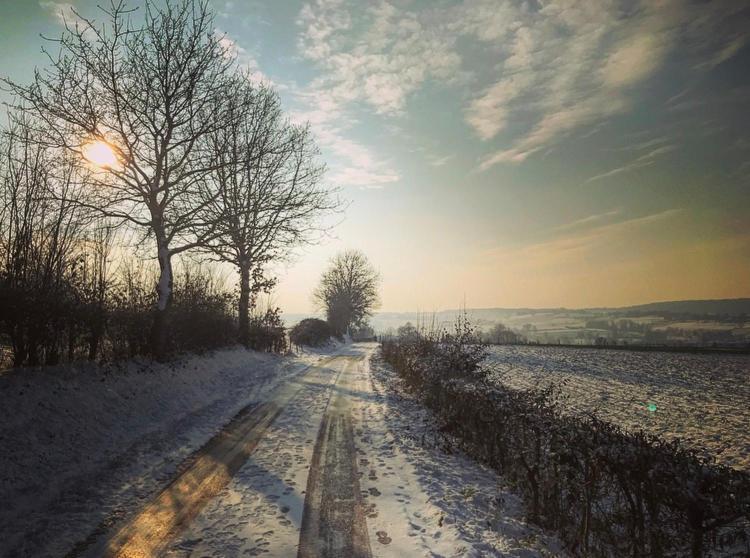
(645, 160)
(387, 58)
(353, 163)
(245, 60)
(607, 53)
(620, 170)
(584, 236)
(359, 167)
(659, 151)
(588, 221)
(732, 47)
(557, 69)
(645, 144)
(64, 12)
(604, 56)
(488, 113)
(356, 176)
(437, 161)
(392, 53)
(549, 129)
(635, 59)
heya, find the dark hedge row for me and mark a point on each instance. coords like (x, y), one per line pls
(311, 332)
(74, 318)
(605, 491)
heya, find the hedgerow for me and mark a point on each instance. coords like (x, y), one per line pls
(604, 490)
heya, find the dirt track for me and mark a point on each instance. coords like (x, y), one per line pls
(334, 523)
(334, 520)
(329, 464)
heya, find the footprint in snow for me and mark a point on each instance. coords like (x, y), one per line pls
(383, 537)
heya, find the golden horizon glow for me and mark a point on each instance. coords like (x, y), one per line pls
(100, 154)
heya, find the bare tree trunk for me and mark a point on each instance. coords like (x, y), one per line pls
(244, 305)
(164, 292)
(94, 345)
(19, 347)
(97, 331)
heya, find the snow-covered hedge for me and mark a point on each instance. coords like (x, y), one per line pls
(604, 490)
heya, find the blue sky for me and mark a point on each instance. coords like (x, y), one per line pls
(504, 153)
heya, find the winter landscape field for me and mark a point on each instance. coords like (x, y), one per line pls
(703, 399)
(374, 279)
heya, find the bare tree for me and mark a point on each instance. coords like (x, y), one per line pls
(42, 225)
(348, 290)
(153, 93)
(265, 195)
(94, 284)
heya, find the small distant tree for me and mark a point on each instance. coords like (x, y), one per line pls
(500, 334)
(363, 331)
(348, 291)
(407, 331)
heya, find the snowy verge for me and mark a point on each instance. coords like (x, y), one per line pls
(432, 497)
(83, 443)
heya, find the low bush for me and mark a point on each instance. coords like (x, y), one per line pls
(311, 332)
(110, 320)
(267, 333)
(605, 491)
(202, 311)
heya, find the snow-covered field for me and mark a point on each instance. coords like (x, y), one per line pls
(81, 444)
(703, 399)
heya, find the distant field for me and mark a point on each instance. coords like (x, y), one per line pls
(702, 398)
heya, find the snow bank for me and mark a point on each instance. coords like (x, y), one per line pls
(83, 442)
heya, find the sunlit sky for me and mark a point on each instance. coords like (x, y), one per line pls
(500, 153)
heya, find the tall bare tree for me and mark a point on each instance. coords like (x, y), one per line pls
(266, 195)
(152, 89)
(348, 290)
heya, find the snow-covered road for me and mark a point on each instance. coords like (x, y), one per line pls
(341, 473)
(330, 460)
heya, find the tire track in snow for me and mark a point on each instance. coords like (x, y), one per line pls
(260, 511)
(150, 531)
(333, 524)
(203, 476)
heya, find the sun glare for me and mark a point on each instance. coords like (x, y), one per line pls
(100, 154)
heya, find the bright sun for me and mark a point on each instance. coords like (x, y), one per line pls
(100, 154)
